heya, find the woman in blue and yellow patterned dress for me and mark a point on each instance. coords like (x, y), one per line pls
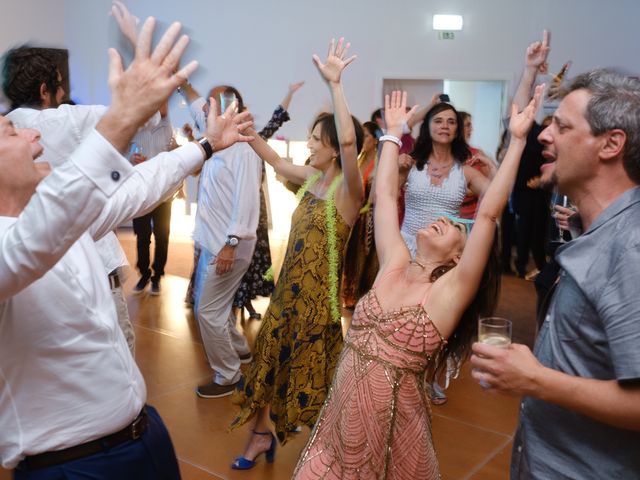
(300, 338)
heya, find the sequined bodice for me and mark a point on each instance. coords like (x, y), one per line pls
(404, 338)
(425, 202)
(375, 424)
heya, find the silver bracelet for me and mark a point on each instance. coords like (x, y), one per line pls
(391, 138)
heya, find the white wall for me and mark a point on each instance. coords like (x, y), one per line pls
(31, 21)
(261, 46)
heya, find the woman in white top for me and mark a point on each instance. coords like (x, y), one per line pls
(438, 182)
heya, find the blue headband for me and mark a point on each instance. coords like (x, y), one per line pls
(465, 221)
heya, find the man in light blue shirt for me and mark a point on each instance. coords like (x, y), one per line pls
(580, 417)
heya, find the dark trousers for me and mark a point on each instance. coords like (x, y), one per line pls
(157, 221)
(532, 214)
(151, 457)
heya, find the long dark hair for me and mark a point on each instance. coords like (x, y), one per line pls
(424, 144)
(329, 132)
(484, 303)
(372, 127)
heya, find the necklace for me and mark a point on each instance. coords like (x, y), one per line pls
(331, 246)
(440, 170)
(415, 262)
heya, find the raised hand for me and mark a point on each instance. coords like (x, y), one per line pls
(224, 130)
(336, 62)
(520, 123)
(537, 53)
(127, 22)
(435, 99)
(395, 112)
(294, 87)
(151, 72)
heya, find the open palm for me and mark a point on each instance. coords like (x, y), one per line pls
(395, 110)
(520, 123)
(332, 68)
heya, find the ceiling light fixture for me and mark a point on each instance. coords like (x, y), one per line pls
(448, 23)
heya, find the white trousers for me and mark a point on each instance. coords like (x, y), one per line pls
(223, 343)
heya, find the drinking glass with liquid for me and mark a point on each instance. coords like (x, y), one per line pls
(558, 199)
(226, 99)
(494, 331)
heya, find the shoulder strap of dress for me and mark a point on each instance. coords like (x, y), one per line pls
(426, 295)
(310, 182)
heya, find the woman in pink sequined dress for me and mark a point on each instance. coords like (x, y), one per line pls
(376, 423)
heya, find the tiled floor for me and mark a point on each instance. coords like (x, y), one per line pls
(472, 432)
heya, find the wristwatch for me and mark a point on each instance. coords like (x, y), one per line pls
(232, 241)
(207, 147)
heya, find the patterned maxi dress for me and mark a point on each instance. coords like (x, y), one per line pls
(376, 422)
(299, 343)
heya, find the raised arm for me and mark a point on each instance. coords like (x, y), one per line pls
(156, 179)
(422, 111)
(535, 62)
(280, 114)
(331, 70)
(297, 174)
(189, 93)
(293, 88)
(67, 202)
(127, 22)
(463, 280)
(390, 246)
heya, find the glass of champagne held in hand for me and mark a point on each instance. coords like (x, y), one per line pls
(494, 331)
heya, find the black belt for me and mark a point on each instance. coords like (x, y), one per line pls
(133, 431)
(114, 280)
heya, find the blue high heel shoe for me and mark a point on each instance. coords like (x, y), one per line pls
(242, 463)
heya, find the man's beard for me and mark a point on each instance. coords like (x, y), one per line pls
(549, 182)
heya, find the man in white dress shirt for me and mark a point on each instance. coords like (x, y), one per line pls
(72, 400)
(32, 82)
(225, 229)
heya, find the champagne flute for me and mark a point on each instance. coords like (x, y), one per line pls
(183, 102)
(563, 201)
